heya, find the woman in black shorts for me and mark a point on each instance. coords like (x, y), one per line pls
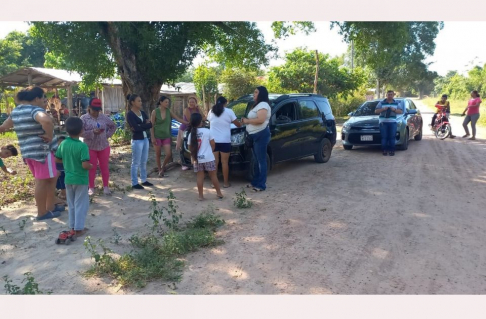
(220, 119)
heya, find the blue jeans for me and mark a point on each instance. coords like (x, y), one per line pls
(388, 132)
(260, 143)
(140, 149)
(78, 203)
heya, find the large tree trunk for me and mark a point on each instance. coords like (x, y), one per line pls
(133, 81)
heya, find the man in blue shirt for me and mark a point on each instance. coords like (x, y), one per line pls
(388, 110)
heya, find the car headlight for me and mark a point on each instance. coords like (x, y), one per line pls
(399, 124)
(346, 127)
(238, 139)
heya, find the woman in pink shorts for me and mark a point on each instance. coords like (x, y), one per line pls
(192, 108)
(161, 119)
(35, 132)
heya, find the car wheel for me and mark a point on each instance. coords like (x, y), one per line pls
(250, 174)
(418, 137)
(324, 153)
(348, 147)
(404, 146)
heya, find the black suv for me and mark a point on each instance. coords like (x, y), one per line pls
(301, 125)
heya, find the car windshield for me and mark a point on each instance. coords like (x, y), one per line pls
(368, 108)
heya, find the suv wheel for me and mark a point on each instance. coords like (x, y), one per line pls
(324, 153)
(250, 170)
(348, 147)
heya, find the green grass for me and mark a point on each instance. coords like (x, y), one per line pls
(457, 107)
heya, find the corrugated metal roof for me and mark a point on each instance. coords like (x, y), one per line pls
(47, 78)
(183, 88)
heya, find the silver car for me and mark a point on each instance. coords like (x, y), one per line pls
(363, 127)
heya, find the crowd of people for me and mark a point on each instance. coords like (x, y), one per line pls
(69, 164)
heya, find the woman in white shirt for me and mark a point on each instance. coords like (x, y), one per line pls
(220, 119)
(257, 128)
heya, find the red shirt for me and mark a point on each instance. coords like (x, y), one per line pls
(473, 109)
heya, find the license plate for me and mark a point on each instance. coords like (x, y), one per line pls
(366, 138)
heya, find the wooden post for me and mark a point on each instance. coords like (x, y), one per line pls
(103, 100)
(70, 99)
(317, 72)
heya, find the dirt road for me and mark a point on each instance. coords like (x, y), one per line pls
(360, 224)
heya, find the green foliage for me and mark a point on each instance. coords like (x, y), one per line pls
(282, 29)
(30, 287)
(206, 83)
(154, 257)
(148, 54)
(19, 50)
(342, 107)
(387, 46)
(241, 201)
(298, 73)
(238, 82)
(171, 221)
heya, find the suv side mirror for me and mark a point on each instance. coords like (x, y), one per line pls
(411, 111)
(350, 113)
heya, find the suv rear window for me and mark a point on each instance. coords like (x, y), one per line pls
(308, 109)
(325, 108)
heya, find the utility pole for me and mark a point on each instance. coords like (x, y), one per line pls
(317, 72)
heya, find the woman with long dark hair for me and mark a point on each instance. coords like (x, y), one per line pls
(201, 144)
(220, 119)
(35, 132)
(186, 115)
(472, 116)
(161, 119)
(257, 128)
(139, 123)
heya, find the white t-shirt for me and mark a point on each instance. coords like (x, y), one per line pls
(205, 151)
(252, 128)
(141, 117)
(221, 126)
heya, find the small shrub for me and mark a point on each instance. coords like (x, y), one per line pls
(30, 287)
(241, 201)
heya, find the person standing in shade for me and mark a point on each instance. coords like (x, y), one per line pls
(35, 132)
(220, 119)
(192, 108)
(259, 132)
(472, 116)
(388, 110)
(161, 119)
(139, 123)
(74, 155)
(98, 128)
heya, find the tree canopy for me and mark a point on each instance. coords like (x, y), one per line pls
(148, 54)
(298, 72)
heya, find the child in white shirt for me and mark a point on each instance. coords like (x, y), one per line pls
(201, 144)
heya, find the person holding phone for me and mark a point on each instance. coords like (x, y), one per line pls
(98, 128)
(388, 110)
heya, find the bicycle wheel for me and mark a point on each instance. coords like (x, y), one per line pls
(443, 132)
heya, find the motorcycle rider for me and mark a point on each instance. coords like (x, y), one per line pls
(446, 107)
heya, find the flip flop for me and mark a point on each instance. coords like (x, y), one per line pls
(219, 197)
(49, 215)
(201, 199)
(162, 174)
(256, 190)
(249, 186)
(224, 186)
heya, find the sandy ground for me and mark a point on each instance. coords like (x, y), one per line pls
(359, 224)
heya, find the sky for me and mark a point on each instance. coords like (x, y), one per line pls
(458, 45)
